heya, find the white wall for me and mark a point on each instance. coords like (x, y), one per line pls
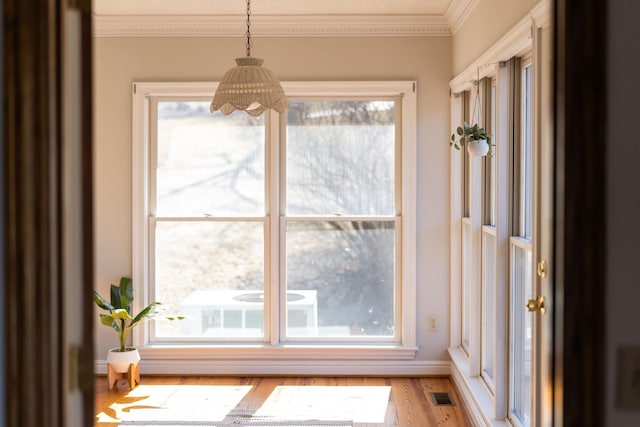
(120, 61)
(623, 196)
(488, 21)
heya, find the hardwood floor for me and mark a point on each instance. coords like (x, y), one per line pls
(408, 400)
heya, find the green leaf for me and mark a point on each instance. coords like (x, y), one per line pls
(101, 302)
(106, 319)
(146, 312)
(120, 313)
(460, 131)
(126, 293)
(116, 300)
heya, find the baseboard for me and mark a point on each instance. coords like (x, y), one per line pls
(289, 367)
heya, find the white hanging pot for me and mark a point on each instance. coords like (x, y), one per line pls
(121, 360)
(478, 147)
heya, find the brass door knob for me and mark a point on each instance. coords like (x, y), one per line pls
(536, 305)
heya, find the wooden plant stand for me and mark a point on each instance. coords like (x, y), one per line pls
(132, 375)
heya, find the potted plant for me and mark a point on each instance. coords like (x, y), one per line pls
(122, 321)
(477, 139)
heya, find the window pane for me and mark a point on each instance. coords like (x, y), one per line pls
(488, 305)
(465, 287)
(340, 158)
(521, 335)
(491, 162)
(214, 272)
(466, 160)
(340, 278)
(527, 150)
(208, 164)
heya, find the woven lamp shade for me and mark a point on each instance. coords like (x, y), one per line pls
(249, 87)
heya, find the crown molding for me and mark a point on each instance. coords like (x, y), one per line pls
(515, 42)
(542, 14)
(458, 12)
(270, 25)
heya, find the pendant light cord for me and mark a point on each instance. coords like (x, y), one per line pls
(248, 28)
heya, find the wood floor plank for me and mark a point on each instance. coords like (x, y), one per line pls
(398, 401)
(444, 415)
(411, 406)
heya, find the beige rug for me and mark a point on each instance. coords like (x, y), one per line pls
(221, 406)
(235, 417)
(239, 417)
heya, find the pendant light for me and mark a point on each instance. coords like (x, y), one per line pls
(249, 86)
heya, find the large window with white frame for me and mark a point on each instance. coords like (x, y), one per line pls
(297, 228)
(497, 258)
(496, 368)
(521, 250)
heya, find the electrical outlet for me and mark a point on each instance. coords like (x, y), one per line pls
(432, 323)
(629, 378)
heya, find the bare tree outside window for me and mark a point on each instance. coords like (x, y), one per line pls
(340, 164)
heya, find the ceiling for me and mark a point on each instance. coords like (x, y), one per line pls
(271, 7)
(115, 18)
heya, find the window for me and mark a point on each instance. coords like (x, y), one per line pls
(521, 249)
(465, 290)
(495, 366)
(494, 350)
(489, 241)
(340, 218)
(278, 229)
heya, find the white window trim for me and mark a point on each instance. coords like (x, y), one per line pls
(485, 408)
(405, 350)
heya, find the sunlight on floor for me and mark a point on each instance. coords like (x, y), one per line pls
(181, 402)
(207, 403)
(360, 404)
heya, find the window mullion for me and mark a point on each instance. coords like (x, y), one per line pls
(272, 227)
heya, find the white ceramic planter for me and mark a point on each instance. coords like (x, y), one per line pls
(478, 147)
(121, 360)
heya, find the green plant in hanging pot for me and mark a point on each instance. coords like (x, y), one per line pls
(477, 139)
(122, 321)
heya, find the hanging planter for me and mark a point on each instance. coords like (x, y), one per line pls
(476, 138)
(478, 147)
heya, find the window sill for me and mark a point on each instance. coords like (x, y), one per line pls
(278, 352)
(474, 392)
(391, 360)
